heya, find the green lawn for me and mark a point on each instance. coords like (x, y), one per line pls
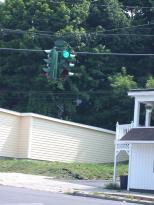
(60, 170)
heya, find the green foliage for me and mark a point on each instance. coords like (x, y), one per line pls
(122, 81)
(112, 186)
(101, 86)
(150, 82)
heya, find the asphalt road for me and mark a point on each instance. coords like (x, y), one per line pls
(21, 196)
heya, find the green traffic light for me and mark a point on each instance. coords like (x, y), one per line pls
(66, 54)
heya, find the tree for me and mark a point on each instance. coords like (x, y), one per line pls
(150, 82)
(101, 86)
(122, 82)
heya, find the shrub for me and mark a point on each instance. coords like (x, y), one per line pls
(113, 186)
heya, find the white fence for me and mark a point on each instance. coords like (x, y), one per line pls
(121, 130)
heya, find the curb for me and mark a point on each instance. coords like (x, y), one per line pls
(137, 197)
(111, 197)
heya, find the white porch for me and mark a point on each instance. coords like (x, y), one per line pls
(121, 130)
(141, 97)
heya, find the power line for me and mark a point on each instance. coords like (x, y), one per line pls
(20, 31)
(129, 7)
(123, 34)
(99, 33)
(96, 3)
(123, 6)
(50, 34)
(21, 49)
(30, 92)
(81, 52)
(130, 27)
(51, 92)
(116, 54)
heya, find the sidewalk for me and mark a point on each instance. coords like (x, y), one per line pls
(45, 183)
(86, 188)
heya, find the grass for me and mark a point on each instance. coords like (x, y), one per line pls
(61, 170)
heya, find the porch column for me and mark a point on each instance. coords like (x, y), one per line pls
(148, 115)
(136, 113)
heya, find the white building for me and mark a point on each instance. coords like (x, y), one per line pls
(33, 136)
(138, 142)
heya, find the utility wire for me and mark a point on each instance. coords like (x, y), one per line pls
(116, 54)
(51, 92)
(122, 34)
(20, 31)
(130, 27)
(96, 3)
(127, 7)
(100, 33)
(21, 49)
(82, 52)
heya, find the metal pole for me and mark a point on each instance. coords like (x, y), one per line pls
(129, 167)
(115, 164)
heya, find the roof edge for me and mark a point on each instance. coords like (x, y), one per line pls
(136, 142)
(68, 122)
(10, 112)
(141, 89)
(56, 120)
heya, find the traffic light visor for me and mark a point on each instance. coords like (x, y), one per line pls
(66, 54)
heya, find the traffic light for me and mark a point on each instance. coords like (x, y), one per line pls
(72, 60)
(70, 57)
(60, 61)
(52, 64)
(66, 54)
(67, 63)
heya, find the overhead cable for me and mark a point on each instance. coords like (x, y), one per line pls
(97, 3)
(130, 27)
(99, 33)
(82, 52)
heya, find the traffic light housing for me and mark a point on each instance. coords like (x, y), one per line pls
(60, 61)
(51, 69)
(67, 63)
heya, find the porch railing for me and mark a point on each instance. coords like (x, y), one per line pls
(121, 130)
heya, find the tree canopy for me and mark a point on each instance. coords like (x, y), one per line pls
(98, 96)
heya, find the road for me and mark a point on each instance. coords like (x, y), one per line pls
(21, 196)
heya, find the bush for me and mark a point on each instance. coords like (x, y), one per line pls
(113, 186)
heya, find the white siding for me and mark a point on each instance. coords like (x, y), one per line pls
(56, 141)
(141, 173)
(23, 139)
(39, 137)
(9, 132)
